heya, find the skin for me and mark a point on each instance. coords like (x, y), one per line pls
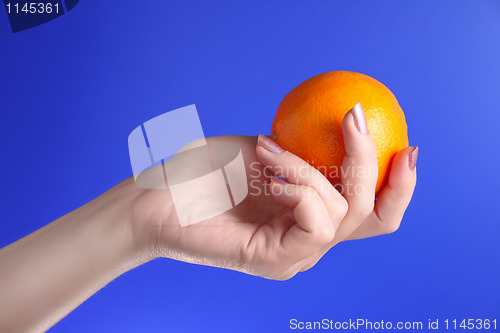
(48, 273)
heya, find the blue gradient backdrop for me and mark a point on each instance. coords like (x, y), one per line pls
(73, 88)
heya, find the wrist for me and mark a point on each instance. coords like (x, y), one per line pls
(139, 215)
(113, 211)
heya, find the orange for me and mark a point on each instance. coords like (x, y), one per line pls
(308, 122)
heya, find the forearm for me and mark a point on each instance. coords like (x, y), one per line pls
(51, 271)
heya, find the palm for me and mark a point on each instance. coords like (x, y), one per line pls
(244, 235)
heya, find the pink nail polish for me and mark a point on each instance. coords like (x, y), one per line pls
(412, 159)
(269, 144)
(359, 118)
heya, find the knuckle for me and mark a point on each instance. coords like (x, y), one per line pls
(371, 148)
(367, 152)
(366, 210)
(393, 227)
(341, 207)
(300, 168)
(297, 167)
(364, 151)
(326, 235)
(309, 193)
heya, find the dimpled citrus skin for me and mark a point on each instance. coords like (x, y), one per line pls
(308, 122)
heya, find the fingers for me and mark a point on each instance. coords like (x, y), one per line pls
(394, 197)
(296, 171)
(313, 228)
(317, 207)
(359, 170)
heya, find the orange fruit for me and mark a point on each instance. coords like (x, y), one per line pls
(308, 121)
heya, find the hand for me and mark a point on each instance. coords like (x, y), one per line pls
(281, 228)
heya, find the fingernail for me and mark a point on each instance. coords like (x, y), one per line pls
(269, 144)
(359, 118)
(412, 159)
(277, 180)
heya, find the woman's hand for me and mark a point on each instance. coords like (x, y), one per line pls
(282, 227)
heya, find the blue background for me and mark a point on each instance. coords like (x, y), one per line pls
(73, 89)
